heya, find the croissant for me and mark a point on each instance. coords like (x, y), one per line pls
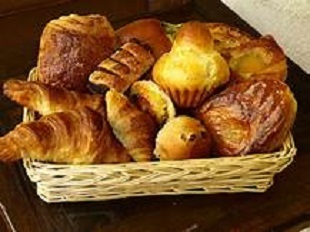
(135, 129)
(71, 47)
(123, 67)
(46, 99)
(249, 117)
(73, 137)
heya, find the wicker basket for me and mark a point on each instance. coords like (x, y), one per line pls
(64, 183)
(252, 173)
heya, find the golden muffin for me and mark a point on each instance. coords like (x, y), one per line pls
(258, 59)
(150, 98)
(249, 117)
(192, 70)
(182, 137)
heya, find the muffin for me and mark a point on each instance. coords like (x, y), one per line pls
(192, 70)
(182, 137)
(258, 59)
(150, 98)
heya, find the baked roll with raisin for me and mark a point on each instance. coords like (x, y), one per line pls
(249, 117)
(71, 47)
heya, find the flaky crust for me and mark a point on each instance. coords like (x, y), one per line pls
(135, 129)
(148, 31)
(71, 47)
(46, 99)
(73, 137)
(261, 58)
(226, 37)
(250, 117)
(149, 97)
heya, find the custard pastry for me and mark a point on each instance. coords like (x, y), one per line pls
(72, 137)
(123, 67)
(258, 59)
(149, 97)
(249, 117)
(192, 70)
(71, 47)
(46, 99)
(183, 137)
(134, 128)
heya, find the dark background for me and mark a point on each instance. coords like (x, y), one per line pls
(284, 207)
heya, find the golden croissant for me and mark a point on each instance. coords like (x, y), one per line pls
(135, 129)
(73, 137)
(47, 99)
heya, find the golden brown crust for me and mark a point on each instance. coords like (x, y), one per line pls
(182, 137)
(46, 99)
(226, 37)
(262, 58)
(73, 137)
(135, 129)
(71, 47)
(123, 67)
(148, 31)
(249, 117)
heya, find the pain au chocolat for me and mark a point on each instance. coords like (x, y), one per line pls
(71, 47)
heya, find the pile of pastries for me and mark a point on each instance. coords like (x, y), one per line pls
(138, 94)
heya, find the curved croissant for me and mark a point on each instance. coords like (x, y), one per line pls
(47, 99)
(134, 128)
(73, 137)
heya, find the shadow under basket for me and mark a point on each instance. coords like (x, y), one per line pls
(73, 183)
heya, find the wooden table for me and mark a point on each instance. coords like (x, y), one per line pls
(284, 207)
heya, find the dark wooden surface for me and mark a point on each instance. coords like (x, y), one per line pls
(284, 207)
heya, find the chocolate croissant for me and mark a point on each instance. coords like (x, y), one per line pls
(71, 47)
(148, 31)
(123, 67)
(250, 117)
(135, 129)
(46, 99)
(72, 137)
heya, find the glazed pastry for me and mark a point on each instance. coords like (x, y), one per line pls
(226, 37)
(71, 47)
(148, 31)
(250, 117)
(150, 98)
(123, 68)
(192, 70)
(258, 59)
(182, 137)
(46, 99)
(135, 129)
(71, 137)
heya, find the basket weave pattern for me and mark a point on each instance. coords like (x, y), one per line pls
(62, 183)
